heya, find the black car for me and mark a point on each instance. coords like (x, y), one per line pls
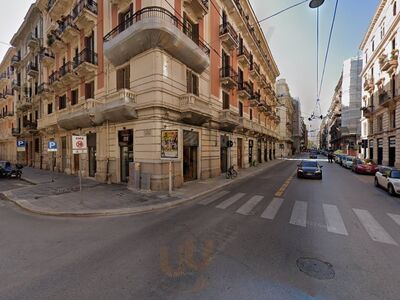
(309, 169)
(313, 154)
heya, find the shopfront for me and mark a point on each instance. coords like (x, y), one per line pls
(392, 151)
(224, 153)
(380, 151)
(125, 141)
(91, 144)
(371, 149)
(240, 153)
(190, 155)
(251, 144)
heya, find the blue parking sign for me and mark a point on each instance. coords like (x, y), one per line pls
(52, 146)
(21, 146)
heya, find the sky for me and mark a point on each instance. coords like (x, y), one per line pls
(291, 37)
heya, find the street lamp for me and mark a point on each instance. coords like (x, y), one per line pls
(316, 3)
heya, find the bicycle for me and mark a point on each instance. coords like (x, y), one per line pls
(231, 173)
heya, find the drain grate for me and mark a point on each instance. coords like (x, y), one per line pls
(315, 268)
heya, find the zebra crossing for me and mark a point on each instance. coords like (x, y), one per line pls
(224, 200)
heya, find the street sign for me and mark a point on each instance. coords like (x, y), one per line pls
(52, 146)
(79, 144)
(21, 146)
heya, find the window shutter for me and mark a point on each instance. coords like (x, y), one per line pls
(120, 79)
(195, 85)
(189, 81)
(127, 77)
(195, 33)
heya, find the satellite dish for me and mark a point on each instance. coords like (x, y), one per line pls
(316, 3)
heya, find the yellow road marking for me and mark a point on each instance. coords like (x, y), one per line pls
(284, 186)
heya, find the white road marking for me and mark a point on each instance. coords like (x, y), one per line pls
(299, 214)
(214, 197)
(334, 221)
(395, 218)
(246, 208)
(374, 229)
(272, 209)
(228, 202)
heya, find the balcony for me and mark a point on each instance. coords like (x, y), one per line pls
(369, 85)
(255, 100)
(15, 61)
(54, 41)
(30, 126)
(33, 42)
(156, 27)
(228, 120)
(67, 76)
(197, 8)
(44, 90)
(58, 8)
(385, 99)
(245, 124)
(85, 65)
(54, 82)
(367, 111)
(255, 71)
(263, 81)
(118, 107)
(245, 91)
(47, 57)
(32, 70)
(47, 121)
(228, 77)
(194, 110)
(84, 15)
(15, 132)
(4, 80)
(390, 65)
(68, 31)
(24, 104)
(228, 35)
(243, 56)
(16, 85)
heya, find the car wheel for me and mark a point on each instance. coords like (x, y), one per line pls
(376, 182)
(391, 190)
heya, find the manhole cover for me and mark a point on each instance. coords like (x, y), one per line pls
(315, 268)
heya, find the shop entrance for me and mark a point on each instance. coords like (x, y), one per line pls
(259, 152)
(63, 153)
(239, 153)
(380, 151)
(91, 143)
(392, 151)
(190, 149)
(125, 141)
(251, 143)
(371, 149)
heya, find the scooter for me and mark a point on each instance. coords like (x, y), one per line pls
(15, 173)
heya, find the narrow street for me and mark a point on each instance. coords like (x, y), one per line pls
(248, 241)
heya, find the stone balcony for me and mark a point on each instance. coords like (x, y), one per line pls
(156, 27)
(228, 78)
(367, 111)
(255, 72)
(48, 121)
(58, 8)
(229, 37)
(243, 56)
(228, 120)
(197, 8)
(84, 15)
(245, 91)
(85, 64)
(369, 85)
(194, 109)
(47, 57)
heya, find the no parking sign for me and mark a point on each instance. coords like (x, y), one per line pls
(79, 144)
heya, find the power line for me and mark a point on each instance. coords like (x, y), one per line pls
(281, 11)
(328, 47)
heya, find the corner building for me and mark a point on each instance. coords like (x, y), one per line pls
(380, 119)
(128, 74)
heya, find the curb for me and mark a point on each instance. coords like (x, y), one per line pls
(25, 205)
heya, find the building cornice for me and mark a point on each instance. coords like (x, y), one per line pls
(374, 20)
(33, 9)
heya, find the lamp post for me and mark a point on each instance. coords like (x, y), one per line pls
(316, 3)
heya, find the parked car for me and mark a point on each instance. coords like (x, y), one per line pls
(364, 166)
(338, 158)
(309, 169)
(389, 179)
(313, 154)
(8, 171)
(347, 162)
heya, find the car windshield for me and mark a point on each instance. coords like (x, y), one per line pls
(395, 174)
(309, 164)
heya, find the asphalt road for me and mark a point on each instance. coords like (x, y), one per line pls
(270, 237)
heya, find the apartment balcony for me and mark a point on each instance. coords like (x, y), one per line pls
(15, 132)
(257, 128)
(245, 91)
(85, 65)
(367, 111)
(228, 35)
(243, 56)
(385, 99)
(228, 78)
(268, 110)
(4, 80)
(263, 81)
(67, 76)
(47, 57)
(389, 65)
(15, 61)
(84, 15)
(119, 106)
(68, 31)
(24, 104)
(32, 70)
(16, 85)
(198, 8)
(54, 41)
(156, 27)
(255, 100)
(45, 90)
(58, 8)
(81, 115)
(54, 82)
(245, 124)
(33, 43)
(47, 121)
(194, 109)
(369, 85)
(30, 126)
(228, 120)
(255, 73)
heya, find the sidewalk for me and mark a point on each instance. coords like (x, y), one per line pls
(57, 194)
